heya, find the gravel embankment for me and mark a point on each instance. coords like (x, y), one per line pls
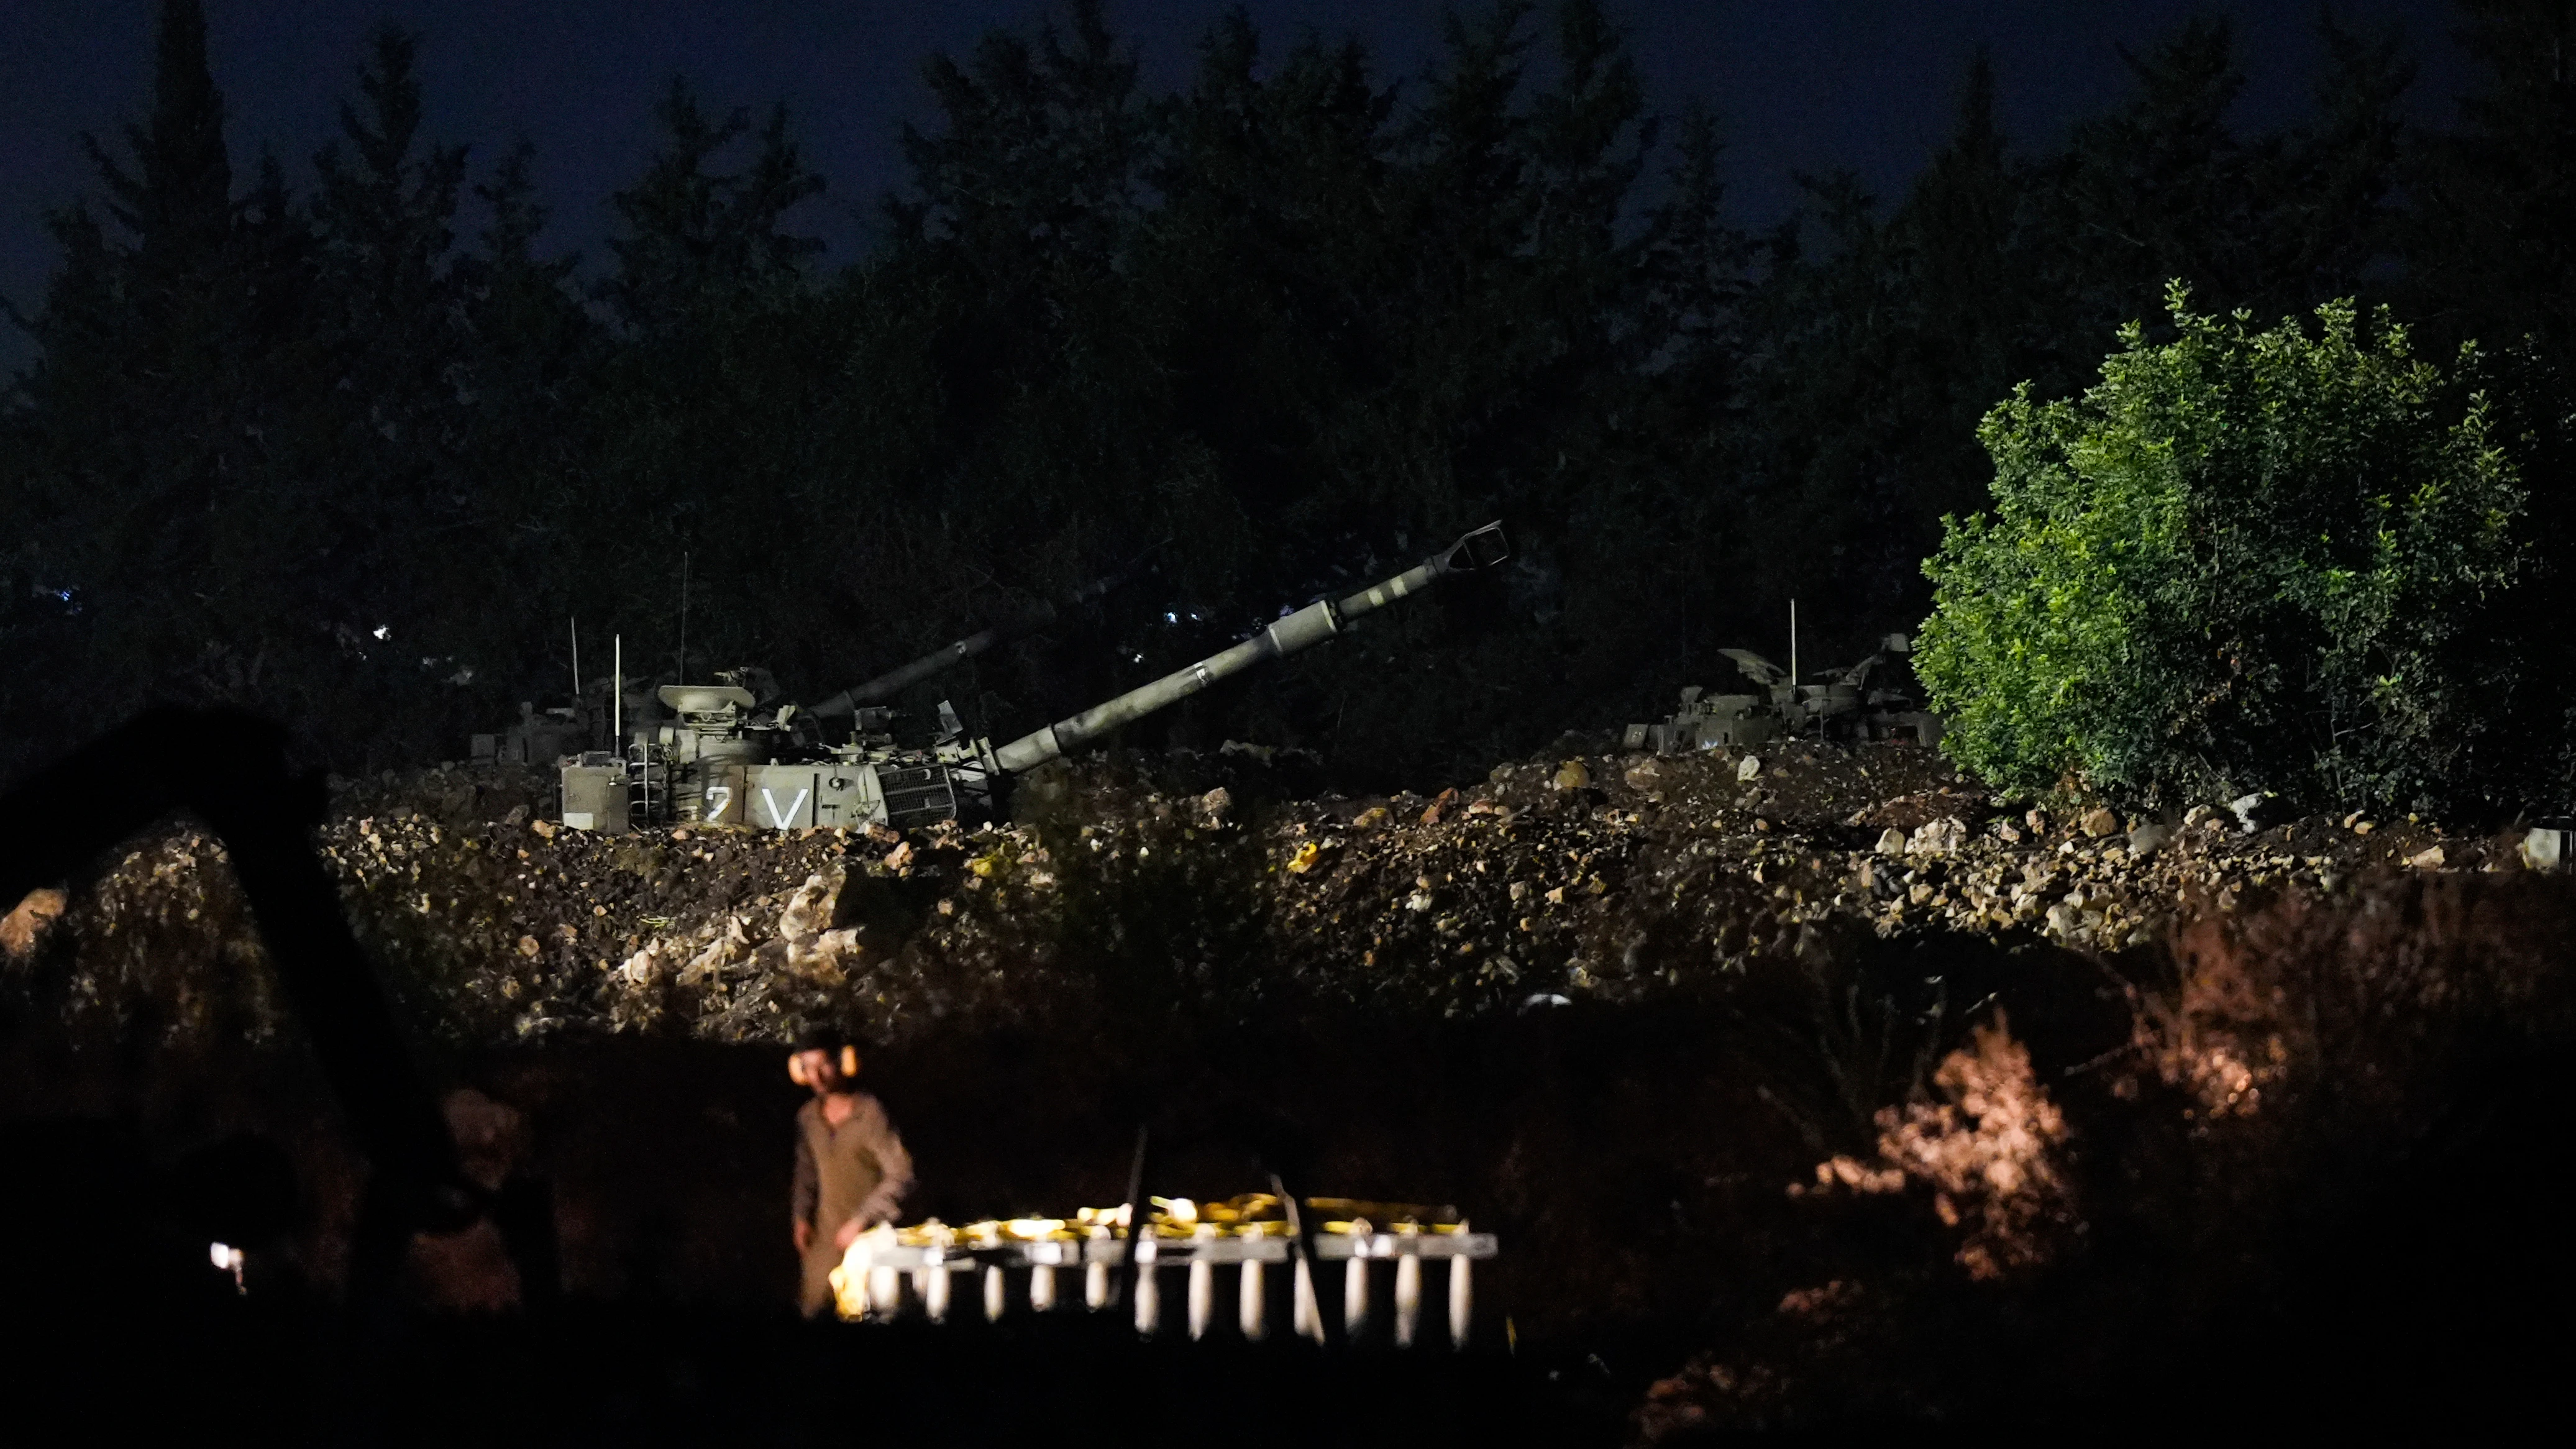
(1581, 872)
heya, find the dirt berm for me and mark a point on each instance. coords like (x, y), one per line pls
(1584, 875)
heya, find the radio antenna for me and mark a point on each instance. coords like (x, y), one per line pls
(1793, 667)
(684, 616)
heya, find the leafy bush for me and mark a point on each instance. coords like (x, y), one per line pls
(2245, 560)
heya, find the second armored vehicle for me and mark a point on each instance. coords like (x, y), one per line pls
(1839, 705)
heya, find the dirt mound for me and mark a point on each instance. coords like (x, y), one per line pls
(1581, 874)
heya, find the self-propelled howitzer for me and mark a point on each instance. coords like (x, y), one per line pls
(720, 763)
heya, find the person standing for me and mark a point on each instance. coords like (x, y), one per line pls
(851, 1169)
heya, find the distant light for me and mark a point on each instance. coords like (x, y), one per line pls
(384, 631)
(1169, 617)
(227, 1259)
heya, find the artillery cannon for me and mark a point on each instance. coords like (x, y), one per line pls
(721, 761)
(895, 681)
(721, 721)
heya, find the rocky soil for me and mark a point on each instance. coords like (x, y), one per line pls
(1583, 874)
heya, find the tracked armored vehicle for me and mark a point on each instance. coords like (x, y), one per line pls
(724, 760)
(1839, 704)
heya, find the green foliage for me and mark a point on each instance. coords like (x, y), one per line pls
(2244, 560)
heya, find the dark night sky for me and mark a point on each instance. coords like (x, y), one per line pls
(1801, 84)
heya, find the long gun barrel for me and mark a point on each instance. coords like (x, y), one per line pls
(896, 681)
(1309, 626)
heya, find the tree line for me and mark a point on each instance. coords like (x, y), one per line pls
(347, 444)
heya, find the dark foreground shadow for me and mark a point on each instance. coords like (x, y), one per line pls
(627, 1374)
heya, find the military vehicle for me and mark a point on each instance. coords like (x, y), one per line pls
(539, 736)
(593, 718)
(724, 759)
(1838, 705)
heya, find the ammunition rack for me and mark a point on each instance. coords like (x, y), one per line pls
(891, 1272)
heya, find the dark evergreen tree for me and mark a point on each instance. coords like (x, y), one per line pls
(391, 342)
(2492, 237)
(700, 414)
(700, 241)
(2337, 230)
(157, 444)
(530, 360)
